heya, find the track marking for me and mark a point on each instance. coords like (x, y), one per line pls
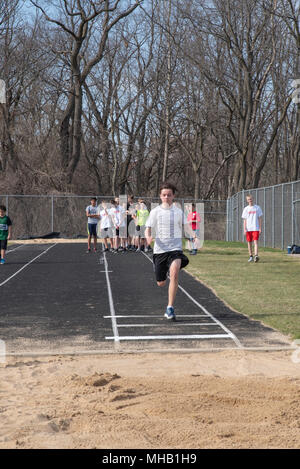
(159, 316)
(111, 302)
(26, 265)
(12, 250)
(175, 323)
(172, 337)
(230, 334)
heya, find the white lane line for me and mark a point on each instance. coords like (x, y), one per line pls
(12, 250)
(158, 316)
(225, 329)
(111, 302)
(172, 337)
(26, 265)
(175, 324)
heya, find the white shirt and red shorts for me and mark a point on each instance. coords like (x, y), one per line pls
(252, 215)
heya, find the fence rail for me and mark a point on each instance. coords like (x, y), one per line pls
(281, 214)
(35, 216)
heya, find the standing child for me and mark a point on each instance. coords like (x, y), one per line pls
(92, 213)
(5, 232)
(194, 219)
(252, 216)
(142, 214)
(165, 224)
(106, 230)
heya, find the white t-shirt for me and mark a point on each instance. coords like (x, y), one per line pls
(92, 211)
(167, 228)
(252, 215)
(105, 219)
(118, 215)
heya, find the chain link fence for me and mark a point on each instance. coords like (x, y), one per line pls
(40, 216)
(281, 214)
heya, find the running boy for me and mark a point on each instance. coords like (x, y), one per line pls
(5, 232)
(252, 216)
(92, 213)
(165, 224)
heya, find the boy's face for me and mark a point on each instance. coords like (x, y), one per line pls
(93, 202)
(250, 200)
(167, 196)
(2, 213)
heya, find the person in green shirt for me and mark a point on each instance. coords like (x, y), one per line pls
(141, 216)
(5, 232)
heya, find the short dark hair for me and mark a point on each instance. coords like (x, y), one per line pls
(93, 198)
(167, 185)
(2, 207)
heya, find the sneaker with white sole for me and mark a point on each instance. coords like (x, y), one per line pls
(169, 314)
(250, 259)
(256, 259)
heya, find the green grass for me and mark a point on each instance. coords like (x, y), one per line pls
(267, 291)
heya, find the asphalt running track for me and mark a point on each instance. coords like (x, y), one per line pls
(56, 298)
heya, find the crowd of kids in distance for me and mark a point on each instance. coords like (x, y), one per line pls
(123, 225)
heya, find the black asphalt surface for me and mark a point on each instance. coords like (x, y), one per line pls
(56, 298)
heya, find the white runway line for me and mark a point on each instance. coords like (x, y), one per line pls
(176, 324)
(225, 329)
(172, 337)
(111, 302)
(157, 316)
(12, 250)
(26, 265)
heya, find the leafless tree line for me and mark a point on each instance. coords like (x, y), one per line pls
(113, 96)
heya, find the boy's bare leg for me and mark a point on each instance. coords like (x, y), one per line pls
(173, 285)
(250, 249)
(2, 253)
(255, 248)
(89, 241)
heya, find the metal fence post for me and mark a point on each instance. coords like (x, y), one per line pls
(282, 219)
(52, 213)
(273, 216)
(264, 218)
(293, 205)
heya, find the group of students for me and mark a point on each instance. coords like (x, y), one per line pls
(122, 226)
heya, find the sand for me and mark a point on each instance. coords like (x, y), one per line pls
(224, 399)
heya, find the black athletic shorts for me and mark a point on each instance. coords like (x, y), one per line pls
(92, 228)
(3, 244)
(162, 263)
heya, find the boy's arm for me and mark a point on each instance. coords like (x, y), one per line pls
(9, 232)
(148, 235)
(260, 222)
(245, 225)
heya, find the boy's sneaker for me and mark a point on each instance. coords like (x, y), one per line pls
(169, 314)
(2, 261)
(88, 250)
(256, 259)
(250, 259)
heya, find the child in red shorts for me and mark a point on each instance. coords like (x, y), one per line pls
(252, 216)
